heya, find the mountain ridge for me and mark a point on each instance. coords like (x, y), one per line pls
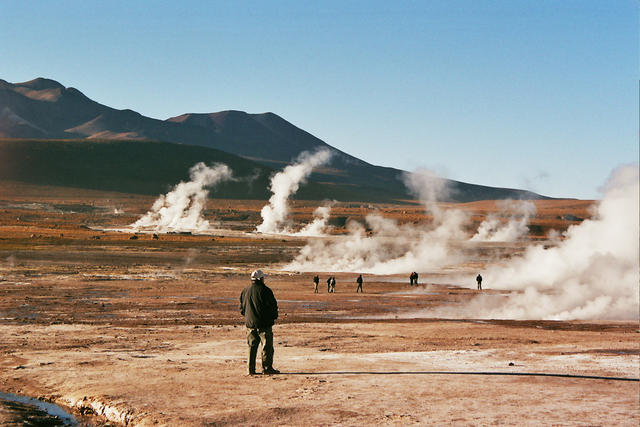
(45, 109)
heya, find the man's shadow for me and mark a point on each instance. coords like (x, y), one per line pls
(521, 374)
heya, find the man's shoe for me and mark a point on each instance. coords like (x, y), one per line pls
(270, 371)
(250, 373)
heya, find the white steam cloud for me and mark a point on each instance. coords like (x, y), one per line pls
(319, 226)
(275, 215)
(592, 274)
(385, 246)
(494, 230)
(181, 208)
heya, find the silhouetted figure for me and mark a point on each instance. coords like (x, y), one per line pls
(329, 284)
(260, 310)
(359, 282)
(413, 278)
(316, 281)
(479, 280)
(333, 284)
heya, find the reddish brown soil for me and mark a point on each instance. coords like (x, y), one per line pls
(148, 331)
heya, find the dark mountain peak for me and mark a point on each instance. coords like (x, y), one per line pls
(129, 113)
(48, 90)
(230, 117)
(43, 108)
(195, 119)
(276, 123)
(269, 116)
(41, 84)
(75, 92)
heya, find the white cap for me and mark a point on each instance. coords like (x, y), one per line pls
(257, 274)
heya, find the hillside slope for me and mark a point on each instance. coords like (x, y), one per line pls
(45, 109)
(145, 167)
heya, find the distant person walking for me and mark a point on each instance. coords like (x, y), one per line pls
(413, 278)
(359, 282)
(329, 284)
(333, 284)
(316, 281)
(479, 280)
(260, 310)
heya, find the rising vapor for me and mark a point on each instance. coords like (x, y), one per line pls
(320, 224)
(275, 215)
(591, 274)
(387, 247)
(181, 208)
(493, 230)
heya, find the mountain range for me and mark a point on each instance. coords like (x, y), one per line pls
(43, 109)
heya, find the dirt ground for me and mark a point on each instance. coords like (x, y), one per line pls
(141, 331)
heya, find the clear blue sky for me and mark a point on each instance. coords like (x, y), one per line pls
(535, 94)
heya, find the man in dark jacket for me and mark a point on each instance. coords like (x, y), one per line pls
(316, 280)
(260, 310)
(479, 280)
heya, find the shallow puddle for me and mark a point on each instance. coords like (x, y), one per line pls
(22, 410)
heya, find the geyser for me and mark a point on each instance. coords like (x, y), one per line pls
(591, 274)
(493, 230)
(389, 247)
(181, 208)
(319, 226)
(275, 218)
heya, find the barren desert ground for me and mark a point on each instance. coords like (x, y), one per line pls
(143, 331)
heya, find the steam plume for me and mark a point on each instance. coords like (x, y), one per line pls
(318, 227)
(181, 208)
(385, 246)
(592, 274)
(493, 230)
(285, 183)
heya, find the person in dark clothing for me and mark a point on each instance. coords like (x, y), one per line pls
(359, 282)
(329, 284)
(333, 284)
(316, 280)
(260, 310)
(413, 278)
(479, 280)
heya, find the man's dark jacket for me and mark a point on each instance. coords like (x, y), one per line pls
(258, 305)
